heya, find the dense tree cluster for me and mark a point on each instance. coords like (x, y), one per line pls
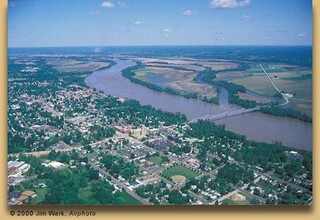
(83, 179)
(233, 173)
(117, 166)
(286, 112)
(251, 152)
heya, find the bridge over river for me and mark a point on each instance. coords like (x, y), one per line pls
(227, 114)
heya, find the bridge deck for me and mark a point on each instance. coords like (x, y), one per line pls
(227, 114)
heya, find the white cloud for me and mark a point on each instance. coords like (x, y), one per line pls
(122, 5)
(107, 4)
(229, 3)
(188, 13)
(301, 35)
(139, 22)
(94, 13)
(167, 30)
(245, 17)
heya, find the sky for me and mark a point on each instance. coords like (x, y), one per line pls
(50, 23)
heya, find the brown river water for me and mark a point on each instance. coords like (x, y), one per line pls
(256, 126)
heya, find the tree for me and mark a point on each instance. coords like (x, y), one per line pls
(164, 159)
(115, 169)
(175, 197)
(93, 174)
(154, 200)
(107, 161)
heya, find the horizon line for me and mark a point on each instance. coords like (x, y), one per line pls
(171, 45)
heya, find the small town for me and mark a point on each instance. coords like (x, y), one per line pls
(70, 144)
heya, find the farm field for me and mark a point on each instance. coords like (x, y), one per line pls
(232, 75)
(77, 66)
(246, 96)
(296, 81)
(189, 63)
(180, 80)
(258, 84)
(220, 65)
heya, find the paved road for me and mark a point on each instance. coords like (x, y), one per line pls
(45, 152)
(115, 181)
(227, 114)
(258, 197)
(228, 195)
(205, 202)
(283, 181)
(275, 86)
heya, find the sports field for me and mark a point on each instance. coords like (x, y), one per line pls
(180, 170)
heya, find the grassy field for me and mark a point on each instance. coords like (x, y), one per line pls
(180, 170)
(276, 175)
(123, 152)
(156, 160)
(92, 154)
(127, 199)
(41, 195)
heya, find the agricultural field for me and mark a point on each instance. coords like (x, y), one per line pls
(296, 81)
(219, 65)
(232, 75)
(258, 99)
(77, 66)
(180, 170)
(258, 84)
(179, 74)
(183, 66)
(180, 80)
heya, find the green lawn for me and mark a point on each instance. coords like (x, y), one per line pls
(41, 195)
(90, 155)
(127, 199)
(156, 160)
(276, 175)
(180, 170)
(123, 152)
